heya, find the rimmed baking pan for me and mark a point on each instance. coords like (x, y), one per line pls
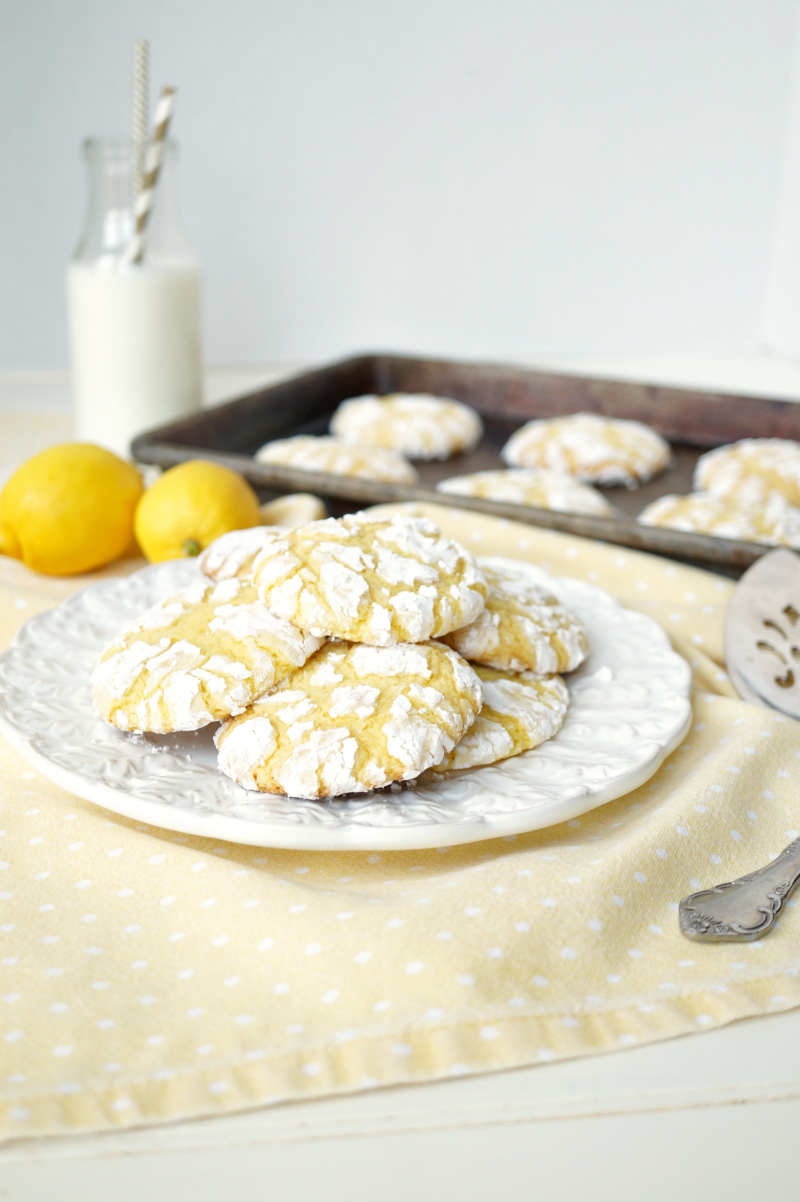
(506, 397)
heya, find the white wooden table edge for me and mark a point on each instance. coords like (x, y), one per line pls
(749, 1062)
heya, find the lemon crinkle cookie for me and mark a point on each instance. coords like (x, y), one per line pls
(538, 487)
(752, 470)
(234, 553)
(293, 509)
(352, 719)
(325, 454)
(519, 711)
(371, 580)
(416, 424)
(195, 658)
(523, 626)
(771, 521)
(599, 450)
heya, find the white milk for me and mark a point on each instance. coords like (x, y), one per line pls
(135, 343)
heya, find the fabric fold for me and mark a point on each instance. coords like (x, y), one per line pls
(148, 976)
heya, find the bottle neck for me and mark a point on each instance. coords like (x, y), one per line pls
(112, 178)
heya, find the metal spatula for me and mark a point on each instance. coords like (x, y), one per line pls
(762, 633)
(762, 651)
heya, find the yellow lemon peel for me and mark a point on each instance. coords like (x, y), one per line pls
(189, 506)
(69, 509)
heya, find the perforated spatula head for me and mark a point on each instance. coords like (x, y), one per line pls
(762, 632)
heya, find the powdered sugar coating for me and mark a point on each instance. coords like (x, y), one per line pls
(772, 520)
(195, 658)
(519, 711)
(352, 719)
(523, 627)
(233, 554)
(752, 470)
(539, 487)
(414, 423)
(370, 580)
(599, 450)
(293, 509)
(334, 455)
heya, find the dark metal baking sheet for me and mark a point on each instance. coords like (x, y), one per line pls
(506, 397)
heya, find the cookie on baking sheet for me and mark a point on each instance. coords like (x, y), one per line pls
(771, 521)
(414, 423)
(371, 580)
(522, 628)
(752, 470)
(599, 450)
(353, 719)
(195, 658)
(233, 554)
(293, 509)
(539, 487)
(340, 458)
(519, 711)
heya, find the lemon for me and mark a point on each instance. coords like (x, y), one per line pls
(191, 505)
(69, 509)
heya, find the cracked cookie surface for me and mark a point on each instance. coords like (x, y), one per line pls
(519, 711)
(596, 449)
(415, 424)
(354, 718)
(371, 580)
(752, 470)
(523, 626)
(539, 487)
(233, 554)
(772, 520)
(196, 657)
(325, 454)
(293, 509)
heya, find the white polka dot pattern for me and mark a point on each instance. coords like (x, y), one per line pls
(427, 964)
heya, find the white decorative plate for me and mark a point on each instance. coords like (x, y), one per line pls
(629, 709)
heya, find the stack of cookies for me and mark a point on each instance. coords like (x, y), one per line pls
(345, 655)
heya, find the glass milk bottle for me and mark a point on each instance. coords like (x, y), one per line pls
(134, 327)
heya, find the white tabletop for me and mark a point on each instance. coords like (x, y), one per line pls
(705, 1117)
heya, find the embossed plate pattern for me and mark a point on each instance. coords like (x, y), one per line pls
(629, 709)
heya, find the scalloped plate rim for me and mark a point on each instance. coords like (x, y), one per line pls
(279, 833)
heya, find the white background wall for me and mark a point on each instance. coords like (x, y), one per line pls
(485, 178)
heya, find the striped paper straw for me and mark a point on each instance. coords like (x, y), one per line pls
(152, 166)
(141, 64)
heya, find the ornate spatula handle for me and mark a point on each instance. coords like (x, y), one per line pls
(744, 909)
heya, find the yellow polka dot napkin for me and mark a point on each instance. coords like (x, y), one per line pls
(147, 976)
